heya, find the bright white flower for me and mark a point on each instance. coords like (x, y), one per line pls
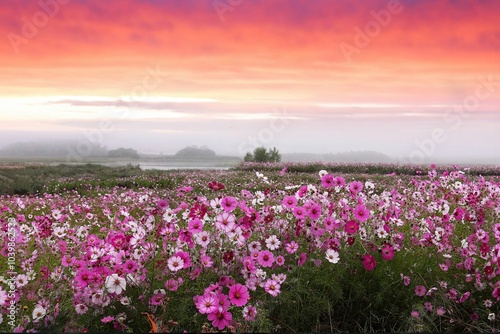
(59, 231)
(332, 256)
(38, 313)
(21, 280)
(115, 284)
(125, 301)
(272, 242)
(175, 263)
(322, 173)
(491, 316)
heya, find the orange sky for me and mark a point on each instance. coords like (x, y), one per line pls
(255, 53)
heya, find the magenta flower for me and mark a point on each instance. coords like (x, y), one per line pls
(327, 181)
(387, 252)
(351, 227)
(265, 258)
(355, 187)
(220, 318)
(299, 212)
(195, 225)
(229, 203)
(420, 290)
(314, 212)
(361, 213)
(292, 247)
(156, 299)
(207, 303)
(369, 262)
(238, 295)
(272, 287)
(302, 259)
(289, 202)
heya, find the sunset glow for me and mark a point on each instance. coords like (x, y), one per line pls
(340, 75)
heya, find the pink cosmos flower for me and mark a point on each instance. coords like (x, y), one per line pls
(185, 258)
(195, 225)
(83, 278)
(351, 227)
(280, 260)
(272, 287)
(265, 258)
(206, 261)
(130, 266)
(175, 263)
(249, 313)
(289, 202)
(107, 319)
(203, 239)
(220, 318)
(81, 308)
(292, 247)
(302, 259)
(355, 187)
(299, 212)
(156, 299)
(420, 290)
(207, 303)
(314, 211)
(162, 204)
(369, 262)
(224, 221)
(229, 203)
(387, 252)
(361, 213)
(327, 181)
(238, 295)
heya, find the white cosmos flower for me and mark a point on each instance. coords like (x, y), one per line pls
(115, 284)
(272, 242)
(332, 256)
(38, 313)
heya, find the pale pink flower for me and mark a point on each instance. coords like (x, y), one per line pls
(115, 284)
(175, 263)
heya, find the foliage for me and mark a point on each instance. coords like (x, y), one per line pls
(261, 154)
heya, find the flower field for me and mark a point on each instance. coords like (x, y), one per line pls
(241, 250)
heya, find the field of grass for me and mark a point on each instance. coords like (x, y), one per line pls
(270, 247)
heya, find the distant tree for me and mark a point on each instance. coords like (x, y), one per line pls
(274, 155)
(261, 154)
(124, 153)
(248, 157)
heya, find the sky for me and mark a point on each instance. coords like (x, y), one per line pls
(416, 80)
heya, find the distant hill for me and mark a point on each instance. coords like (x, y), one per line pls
(195, 152)
(55, 148)
(356, 156)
